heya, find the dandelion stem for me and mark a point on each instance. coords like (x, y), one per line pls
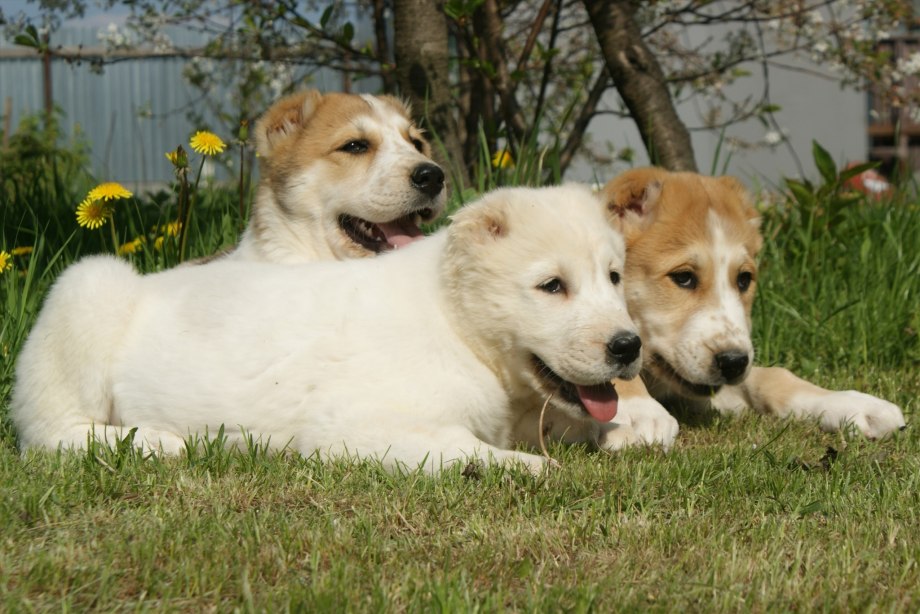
(114, 234)
(200, 168)
(242, 207)
(183, 200)
(183, 240)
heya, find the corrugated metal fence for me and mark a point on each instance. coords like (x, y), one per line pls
(131, 114)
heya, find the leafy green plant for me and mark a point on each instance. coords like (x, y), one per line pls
(37, 160)
(41, 176)
(834, 260)
(821, 207)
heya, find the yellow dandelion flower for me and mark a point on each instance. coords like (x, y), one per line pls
(22, 251)
(132, 247)
(93, 213)
(158, 243)
(207, 143)
(5, 261)
(108, 191)
(172, 228)
(502, 159)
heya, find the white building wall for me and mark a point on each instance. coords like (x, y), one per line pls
(812, 108)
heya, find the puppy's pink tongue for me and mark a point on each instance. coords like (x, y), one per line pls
(600, 401)
(400, 232)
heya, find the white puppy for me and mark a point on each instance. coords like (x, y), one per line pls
(430, 355)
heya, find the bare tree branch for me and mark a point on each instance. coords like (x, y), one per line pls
(582, 120)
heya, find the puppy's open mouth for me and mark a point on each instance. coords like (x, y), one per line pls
(384, 236)
(664, 368)
(598, 400)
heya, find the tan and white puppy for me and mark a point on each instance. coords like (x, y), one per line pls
(342, 176)
(692, 244)
(430, 355)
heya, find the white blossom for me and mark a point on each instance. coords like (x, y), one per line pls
(911, 65)
(113, 37)
(913, 115)
(772, 137)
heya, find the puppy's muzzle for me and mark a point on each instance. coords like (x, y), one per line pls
(624, 347)
(428, 178)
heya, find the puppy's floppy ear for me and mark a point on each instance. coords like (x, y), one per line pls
(283, 119)
(632, 197)
(480, 222)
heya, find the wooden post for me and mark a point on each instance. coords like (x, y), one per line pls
(46, 78)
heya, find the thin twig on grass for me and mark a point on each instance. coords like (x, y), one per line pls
(540, 426)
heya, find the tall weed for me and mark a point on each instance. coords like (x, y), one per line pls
(840, 275)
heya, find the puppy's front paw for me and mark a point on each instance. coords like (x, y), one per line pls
(159, 442)
(532, 463)
(639, 421)
(874, 417)
(653, 424)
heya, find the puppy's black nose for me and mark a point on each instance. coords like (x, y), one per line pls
(732, 364)
(624, 347)
(428, 178)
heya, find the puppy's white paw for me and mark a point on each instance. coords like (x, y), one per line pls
(532, 463)
(159, 442)
(653, 424)
(618, 433)
(874, 417)
(640, 421)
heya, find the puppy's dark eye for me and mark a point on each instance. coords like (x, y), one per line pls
(418, 144)
(358, 146)
(744, 280)
(552, 286)
(684, 279)
(614, 278)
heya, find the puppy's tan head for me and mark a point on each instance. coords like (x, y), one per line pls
(691, 273)
(353, 170)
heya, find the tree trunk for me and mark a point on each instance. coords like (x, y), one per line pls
(487, 23)
(641, 83)
(422, 71)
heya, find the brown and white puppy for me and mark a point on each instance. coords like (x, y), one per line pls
(691, 273)
(342, 176)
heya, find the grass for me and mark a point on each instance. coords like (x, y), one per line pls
(746, 513)
(743, 514)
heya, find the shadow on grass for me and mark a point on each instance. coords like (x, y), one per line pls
(694, 417)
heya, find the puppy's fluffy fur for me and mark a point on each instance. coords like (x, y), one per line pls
(426, 356)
